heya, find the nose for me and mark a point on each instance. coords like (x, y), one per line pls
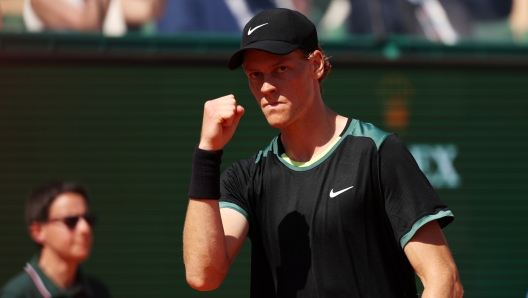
(84, 226)
(267, 88)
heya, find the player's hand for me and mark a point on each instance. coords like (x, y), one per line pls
(220, 120)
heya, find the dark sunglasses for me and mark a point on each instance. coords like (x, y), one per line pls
(71, 221)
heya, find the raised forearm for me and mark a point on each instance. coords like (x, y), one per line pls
(205, 255)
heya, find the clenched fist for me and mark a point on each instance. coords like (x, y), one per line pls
(220, 120)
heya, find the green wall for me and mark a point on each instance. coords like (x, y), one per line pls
(127, 132)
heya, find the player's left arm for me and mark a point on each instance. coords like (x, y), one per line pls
(431, 259)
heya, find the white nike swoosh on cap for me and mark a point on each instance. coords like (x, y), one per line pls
(335, 194)
(251, 30)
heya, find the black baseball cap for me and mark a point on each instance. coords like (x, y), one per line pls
(278, 31)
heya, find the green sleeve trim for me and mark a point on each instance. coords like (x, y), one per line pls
(422, 221)
(234, 207)
(364, 129)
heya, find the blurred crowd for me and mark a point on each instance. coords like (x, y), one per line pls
(443, 21)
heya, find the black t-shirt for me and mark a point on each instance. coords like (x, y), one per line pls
(335, 228)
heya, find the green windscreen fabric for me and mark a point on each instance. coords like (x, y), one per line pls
(127, 132)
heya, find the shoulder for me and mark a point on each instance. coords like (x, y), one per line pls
(20, 285)
(393, 145)
(240, 170)
(363, 129)
(98, 287)
(242, 165)
(247, 164)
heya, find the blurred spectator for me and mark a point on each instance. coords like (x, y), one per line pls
(1, 18)
(465, 15)
(519, 21)
(209, 15)
(302, 6)
(444, 21)
(114, 23)
(60, 224)
(76, 15)
(139, 12)
(488, 10)
(11, 15)
(333, 17)
(436, 23)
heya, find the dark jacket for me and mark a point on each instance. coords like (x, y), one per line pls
(34, 283)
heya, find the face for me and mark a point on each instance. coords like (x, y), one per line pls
(70, 244)
(285, 86)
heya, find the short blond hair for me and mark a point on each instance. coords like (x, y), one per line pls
(327, 64)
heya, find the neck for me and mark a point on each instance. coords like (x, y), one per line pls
(312, 134)
(60, 271)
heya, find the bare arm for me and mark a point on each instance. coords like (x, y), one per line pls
(138, 12)
(60, 15)
(212, 238)
(431, 259)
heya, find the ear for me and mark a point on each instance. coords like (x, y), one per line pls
(318, 63)
(37, 232)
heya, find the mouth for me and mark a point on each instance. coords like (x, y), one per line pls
(84, 242)
(271, 103)
(275, 104)
(85, 245)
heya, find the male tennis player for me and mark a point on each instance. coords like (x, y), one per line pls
(334, 207)
(60, 224)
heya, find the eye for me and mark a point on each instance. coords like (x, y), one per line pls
(71, 221)
(254, 75)
(282, 69)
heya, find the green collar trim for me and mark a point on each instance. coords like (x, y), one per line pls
(273, 146)
(299, 164)
(356, 128)
(47, 287)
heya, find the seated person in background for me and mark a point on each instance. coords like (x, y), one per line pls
(76, 15)
(60, 224)
(445, 21)
(519, 20)
(226, 16)
(139, 12)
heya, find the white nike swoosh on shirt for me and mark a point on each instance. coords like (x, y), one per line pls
(251, 30)
(335, 194)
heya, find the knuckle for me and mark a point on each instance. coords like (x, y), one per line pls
(208, 104)
(208, 108)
